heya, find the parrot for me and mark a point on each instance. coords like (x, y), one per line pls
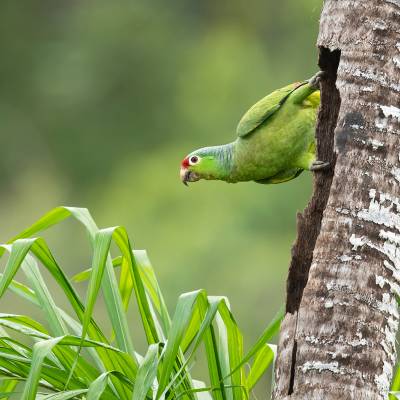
(275, 141)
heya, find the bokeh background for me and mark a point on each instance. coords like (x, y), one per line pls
(101, 100)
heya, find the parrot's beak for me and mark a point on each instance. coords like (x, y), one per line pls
(184, 175)
(188, 176)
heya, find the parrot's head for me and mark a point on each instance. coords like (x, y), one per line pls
(200, 164)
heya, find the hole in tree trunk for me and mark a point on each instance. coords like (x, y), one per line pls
(309, 222)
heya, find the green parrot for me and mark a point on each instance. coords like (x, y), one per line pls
(275, 143)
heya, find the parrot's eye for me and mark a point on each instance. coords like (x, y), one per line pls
(194, 160)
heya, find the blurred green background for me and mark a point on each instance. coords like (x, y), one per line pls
(101, 100)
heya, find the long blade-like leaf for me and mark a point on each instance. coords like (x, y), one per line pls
(268, 333)
(264, 358)
(147, 373)
(69, 394)
(40, 352)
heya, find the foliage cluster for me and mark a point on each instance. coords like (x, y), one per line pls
(70, 356)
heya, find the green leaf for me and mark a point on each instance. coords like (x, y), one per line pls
(150, 283)
(40, 352)
(22, 291)
(121, 239)
(395, 383)
(268, 333)
(101, 247)
(7, 395)
(97, 387)
(44, 297)
(24, 325)
(69, 394)
(147, 373)
(85, 274)
(182, 317)
(265, 356)
(18, 252)
(51, 218)
(231, 347)
(7, 386)
(125, 283)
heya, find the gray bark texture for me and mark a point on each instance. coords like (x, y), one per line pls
(337, 339)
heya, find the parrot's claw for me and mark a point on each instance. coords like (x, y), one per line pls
(319, 165)
(316, 79)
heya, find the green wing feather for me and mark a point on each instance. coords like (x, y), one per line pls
(264, 108)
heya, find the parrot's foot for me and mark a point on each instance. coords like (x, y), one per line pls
(319, 165)
(315, 81)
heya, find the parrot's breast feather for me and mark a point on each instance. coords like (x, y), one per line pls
(264, 109)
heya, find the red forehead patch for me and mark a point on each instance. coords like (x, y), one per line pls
(185, 162)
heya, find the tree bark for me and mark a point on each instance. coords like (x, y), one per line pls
(337, 339)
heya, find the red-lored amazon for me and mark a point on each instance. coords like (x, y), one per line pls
(275, 143)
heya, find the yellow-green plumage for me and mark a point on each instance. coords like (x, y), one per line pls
(275, 143)
(278, 147)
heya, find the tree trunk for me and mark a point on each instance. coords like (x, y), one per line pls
(337, 340)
